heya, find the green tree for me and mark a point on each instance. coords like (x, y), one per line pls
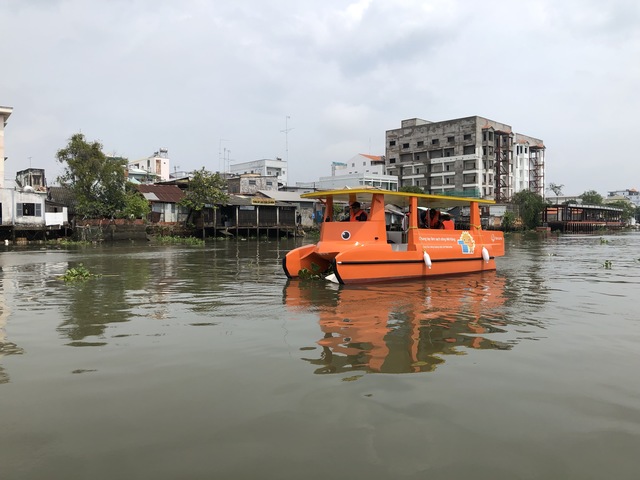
(530, 206)
(411, 189)
(556, 188)
(628, 209)
(135, 205)
(508, 221)
(591, 197)
(97, 182)
(205, 189)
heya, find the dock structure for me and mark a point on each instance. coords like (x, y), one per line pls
(582, 218)
(248, 217)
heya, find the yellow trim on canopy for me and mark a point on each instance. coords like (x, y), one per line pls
(363, 195)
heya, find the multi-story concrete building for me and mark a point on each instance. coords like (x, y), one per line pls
(251, 183)
(471, 156)
(265, 167)
(5, 113)
(156, 167)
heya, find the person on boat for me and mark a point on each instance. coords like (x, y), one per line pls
(357, 214)
(447, 221)
(434, 219)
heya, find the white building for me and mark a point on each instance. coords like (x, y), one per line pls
(265, 167)
(355, 180)
(361, 170)
(156, 166)
(361, 163)
(5, 112)
(631, 195)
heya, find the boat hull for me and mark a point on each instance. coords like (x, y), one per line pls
(439, 253)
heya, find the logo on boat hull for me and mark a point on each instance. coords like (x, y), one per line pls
(467, 243)
(346, 235)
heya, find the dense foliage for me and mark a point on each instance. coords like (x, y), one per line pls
(135, 205)
(98, 183)
(530, 205)
(628, 209)
(591, 197)
(205, 189)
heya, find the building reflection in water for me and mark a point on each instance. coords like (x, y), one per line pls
(6, 347)
(401, 327)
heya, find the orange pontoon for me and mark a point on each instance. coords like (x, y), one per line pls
(370, 251)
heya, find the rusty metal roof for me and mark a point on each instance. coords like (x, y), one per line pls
(161, 193)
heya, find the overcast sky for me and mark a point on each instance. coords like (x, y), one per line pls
(201, 76)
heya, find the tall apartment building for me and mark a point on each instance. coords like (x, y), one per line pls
(471, 156)
(5, 113)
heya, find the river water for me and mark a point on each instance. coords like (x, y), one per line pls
(204, 362)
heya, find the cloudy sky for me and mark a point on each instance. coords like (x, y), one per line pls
(209, 79)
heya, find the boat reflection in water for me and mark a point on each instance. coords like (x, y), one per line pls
(403, 327)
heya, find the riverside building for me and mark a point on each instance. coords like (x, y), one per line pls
(471, 156)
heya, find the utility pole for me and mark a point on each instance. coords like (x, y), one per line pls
(286, 137)
(221, 158)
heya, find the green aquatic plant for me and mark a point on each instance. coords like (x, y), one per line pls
(171, 239)
(67, 242)
(77, 273)
(315, 273)
(607, 264)
(603, 241)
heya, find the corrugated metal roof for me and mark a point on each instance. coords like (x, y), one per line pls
(161, 193)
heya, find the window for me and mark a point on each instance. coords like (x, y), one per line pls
(29, 209)
(405, 145)
(252, 182)
(417, 157)
(469, 150)
(420, 143)
(392, 160)
(364, 164)
(450, 139)
(392, 143)
(435, 141)
(467, 136)
(353, 164)
(269, 184)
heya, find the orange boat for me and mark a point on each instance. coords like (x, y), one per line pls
(378, 250)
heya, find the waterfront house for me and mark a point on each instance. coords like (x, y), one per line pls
(164, 203)
(29, 213)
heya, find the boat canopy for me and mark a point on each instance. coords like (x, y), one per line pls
(400, 199)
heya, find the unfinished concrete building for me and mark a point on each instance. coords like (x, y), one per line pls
(471, 156)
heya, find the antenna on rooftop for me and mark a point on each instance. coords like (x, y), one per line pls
(286, 137)
(221, 159)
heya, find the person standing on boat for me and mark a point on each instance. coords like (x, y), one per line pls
(357, 215)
